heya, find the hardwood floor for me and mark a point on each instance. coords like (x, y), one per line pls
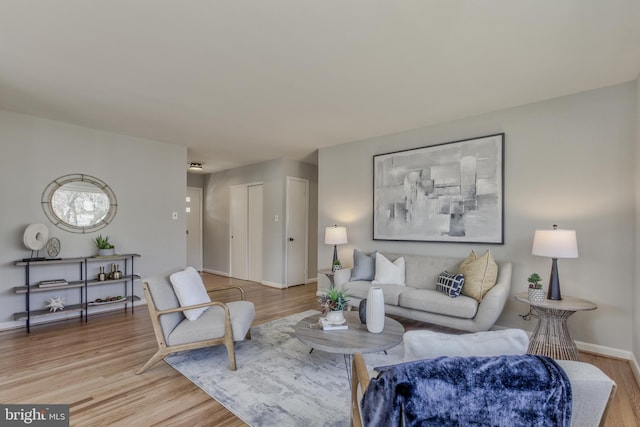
(91, 367)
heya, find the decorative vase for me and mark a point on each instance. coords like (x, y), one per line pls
(362, 311)
(536, 295)
(375, 310)
(335, 317)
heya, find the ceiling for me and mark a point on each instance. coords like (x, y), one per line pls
(238, 82)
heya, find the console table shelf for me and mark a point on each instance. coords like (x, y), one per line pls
(126, 261)
(74, 308)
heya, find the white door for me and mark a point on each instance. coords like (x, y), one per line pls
(255, 232)
(194, 227)
(238, 230)
(297, 230)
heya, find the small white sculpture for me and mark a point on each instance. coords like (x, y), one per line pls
(55, 304)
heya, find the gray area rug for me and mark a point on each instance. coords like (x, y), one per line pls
(278, 383)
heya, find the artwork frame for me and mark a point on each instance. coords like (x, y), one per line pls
(451, 192)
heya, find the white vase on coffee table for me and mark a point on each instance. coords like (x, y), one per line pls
(375, 310)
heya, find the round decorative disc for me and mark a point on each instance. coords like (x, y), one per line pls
(35, 236)
(53, 247)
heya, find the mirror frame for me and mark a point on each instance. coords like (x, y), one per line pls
(50, 190)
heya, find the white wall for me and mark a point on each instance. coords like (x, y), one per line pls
(216, 214)
(148, 178)
(567, 161)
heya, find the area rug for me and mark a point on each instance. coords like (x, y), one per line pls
(278, 382)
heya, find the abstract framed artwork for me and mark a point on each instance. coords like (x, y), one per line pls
(450, 192)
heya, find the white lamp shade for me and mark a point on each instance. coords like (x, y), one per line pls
(336, 235)
(555, 243)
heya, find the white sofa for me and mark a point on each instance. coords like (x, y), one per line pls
(420, 301)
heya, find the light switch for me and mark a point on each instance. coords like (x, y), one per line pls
(276, 218)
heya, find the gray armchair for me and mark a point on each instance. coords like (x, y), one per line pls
(221, 323)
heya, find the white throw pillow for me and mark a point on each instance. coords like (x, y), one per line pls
(190, 290)
(387, 272)
(423, 344)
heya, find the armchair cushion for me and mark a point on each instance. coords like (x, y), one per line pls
(210, 324)
(190, 290)
(424, 344)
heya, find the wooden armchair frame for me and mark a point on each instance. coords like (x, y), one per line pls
(164, 349)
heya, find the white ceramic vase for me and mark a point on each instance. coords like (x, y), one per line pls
(375, 310)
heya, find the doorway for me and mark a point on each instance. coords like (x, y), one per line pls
(297, 231)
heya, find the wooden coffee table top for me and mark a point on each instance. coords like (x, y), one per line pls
(356, 339)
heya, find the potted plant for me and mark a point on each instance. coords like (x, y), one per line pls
(536, 293)
(104, 247)
(333, 302)
(336, 265)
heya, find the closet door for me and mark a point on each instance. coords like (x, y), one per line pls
(255, 232)
(238, 232)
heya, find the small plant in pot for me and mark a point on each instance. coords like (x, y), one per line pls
(336, 265)
(536, 293)
(333, 302)
(104, 247)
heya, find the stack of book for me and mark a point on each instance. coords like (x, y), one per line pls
(52, 283)
(327, 326)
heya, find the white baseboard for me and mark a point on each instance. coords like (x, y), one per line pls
(635, 368)
(20, 324)
(219, 273)
(312, 280)
(604, 351)
(274, 284)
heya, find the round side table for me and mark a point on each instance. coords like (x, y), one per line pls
(551, 336)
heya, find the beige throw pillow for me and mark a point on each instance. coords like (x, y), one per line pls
(480, 275)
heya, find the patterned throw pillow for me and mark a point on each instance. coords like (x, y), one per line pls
(450, 284)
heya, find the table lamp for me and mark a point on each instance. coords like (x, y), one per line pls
(555, 244)
(336, 235)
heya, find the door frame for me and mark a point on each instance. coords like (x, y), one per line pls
(201, 257)
(306, 230)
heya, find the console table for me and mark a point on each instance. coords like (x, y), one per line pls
(551, 336)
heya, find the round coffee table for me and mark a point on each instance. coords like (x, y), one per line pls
(355, 339)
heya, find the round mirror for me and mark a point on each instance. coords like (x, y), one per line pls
(79, 203)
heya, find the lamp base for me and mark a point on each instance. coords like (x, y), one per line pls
(335, 255)
(554, 282)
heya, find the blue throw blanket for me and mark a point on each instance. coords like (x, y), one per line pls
(523, 390)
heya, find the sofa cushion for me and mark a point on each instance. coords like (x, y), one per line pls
(450, 284)
(364, 266)
(422, 271)
(480, 275)
(424, 344)
(436, 302)
(190, 290)
(387, 272)
(391, 292)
